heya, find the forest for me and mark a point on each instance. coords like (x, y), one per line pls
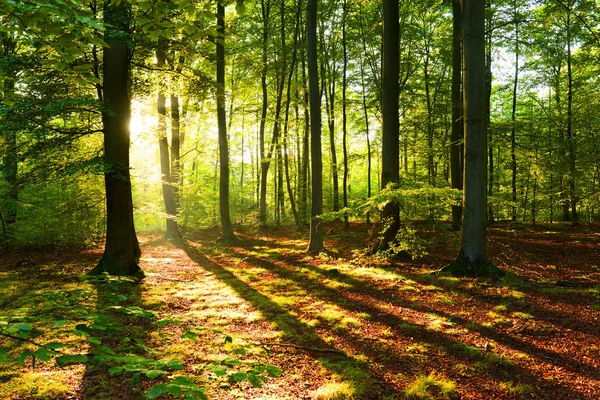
(299, 199)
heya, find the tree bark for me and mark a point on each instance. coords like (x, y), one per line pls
(122, 250)
(168, 184)
(262, 202)
(472, 258)
(390, 152)
(456, 156)
(316, 230)
(513, 138)
(227, 233)
(344, 113)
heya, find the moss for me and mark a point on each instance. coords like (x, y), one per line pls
(463, 267)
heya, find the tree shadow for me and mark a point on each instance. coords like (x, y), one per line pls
(345, 299)
(295, 331)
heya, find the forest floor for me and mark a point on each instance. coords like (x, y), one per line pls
(339, 324)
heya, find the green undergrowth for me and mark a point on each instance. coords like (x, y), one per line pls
(53, 331)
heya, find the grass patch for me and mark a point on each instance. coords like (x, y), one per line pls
(518, 389)
(430, 387)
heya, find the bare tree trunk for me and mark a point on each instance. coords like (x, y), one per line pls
(344, 114)
(472, 258)
(226, 228)
(316, 230)
(122, 250)
(513, 139)
(390, 152)
(262, 213)
(456, 156)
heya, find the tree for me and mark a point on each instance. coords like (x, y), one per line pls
(456, 153)
(390, 151)
(316, 229)
(472, 258)
(226, 229)
(168, 183)
(122, 250)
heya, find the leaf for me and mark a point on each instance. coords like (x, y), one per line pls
(59, 322)
(156, 391)
(273, 371)
(183, 381)
(136, 379)
(24, 327)
(115, 370)
(23, 357)
(228, 339)
(220, 370)
(154, 373)
(231, 361)
(174, 390)
(254, 380)
(94, 340)
(42, 354)
(175, 365)
(239, 376)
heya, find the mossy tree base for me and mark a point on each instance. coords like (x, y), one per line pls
(463, 267)
(117, 268)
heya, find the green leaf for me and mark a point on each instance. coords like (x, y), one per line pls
(145, 5)
(23, 357)
(174, 390)
(115, 370)
(59, 322)
(94, 340)
(239, 376)
(228, 339)
(273, 371)
(254, 380)
(136, 379)
(231, 361)
(175, 365)
(154, 373)
(183, 381)
(156, 391)
(220, 370)
(42, 354)
(71, 359)
(24, 327)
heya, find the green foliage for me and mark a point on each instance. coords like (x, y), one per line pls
(70, 313)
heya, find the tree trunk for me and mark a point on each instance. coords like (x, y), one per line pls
(262, 207)
(570, 134)
(287, 112)
(390, 152)
(456, 156)
(472, 258)
(344, 114)
(316, 229)
(366, 114)
(11, 158)
(227, 234)
(513, 139)
(168, 183)
(122, 250)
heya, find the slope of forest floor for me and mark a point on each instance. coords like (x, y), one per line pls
(339, 324)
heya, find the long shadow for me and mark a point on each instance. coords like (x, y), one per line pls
(292, 328)
(340, 298)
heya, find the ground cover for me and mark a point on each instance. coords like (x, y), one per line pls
(338, 324)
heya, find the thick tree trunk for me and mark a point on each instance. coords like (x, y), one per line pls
(456, 156)
(226, 228)
(122, 250)
(316, 229)
(472, 258)
(390, 152)
(366, 114)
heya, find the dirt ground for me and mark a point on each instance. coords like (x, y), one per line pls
(344, 325)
